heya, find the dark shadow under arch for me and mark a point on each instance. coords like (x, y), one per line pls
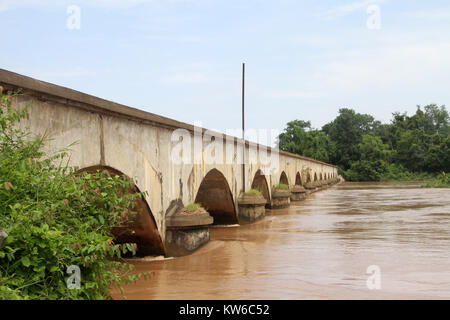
(260, 183)
(298, 179)
(146, 234)
(215, 196)
(284, 178)
(315, 176)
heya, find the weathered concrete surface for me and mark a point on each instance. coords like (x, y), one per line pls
(281, 199)
(189, 220)
(186, 231)
(138, 144)
(3, 236)
(251, 208)
(180, 242)
(298, 193)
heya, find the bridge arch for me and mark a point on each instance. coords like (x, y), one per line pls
(143, 229)
(215, 196)
(308, 177)
(284, 179)
(260, 183)
(298, 179)
(315, 176)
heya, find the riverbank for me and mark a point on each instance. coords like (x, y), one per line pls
(427, 180)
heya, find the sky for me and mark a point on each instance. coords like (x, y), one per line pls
(183, 58)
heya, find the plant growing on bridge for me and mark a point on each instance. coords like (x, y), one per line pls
(253, 193)
(193, 207)
(56, 218)
(281, 186)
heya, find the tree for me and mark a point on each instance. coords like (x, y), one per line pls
(364, 149)
(299, 138)
(346, 133)
(373, 162)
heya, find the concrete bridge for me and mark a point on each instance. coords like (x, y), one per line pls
(141, 146)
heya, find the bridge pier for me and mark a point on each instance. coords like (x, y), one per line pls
(298, 193)
(251, 208)
(281, 199)
(186, 232)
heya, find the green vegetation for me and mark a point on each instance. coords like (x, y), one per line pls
(441, 181)
(192, 207)
(281, 186)
(253, 192)
(55, 219)
(409, 148)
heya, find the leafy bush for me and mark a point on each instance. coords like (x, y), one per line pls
(281, 186)
(441, 181)
(365, 170)
(56, 218)
(253, 192)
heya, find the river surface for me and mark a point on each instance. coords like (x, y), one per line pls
(320, 248)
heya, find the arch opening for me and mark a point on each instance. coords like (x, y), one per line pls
(284, 178)
(142, 230)
(298, 179)
(215, 196)
(315, 176)
(260, 183)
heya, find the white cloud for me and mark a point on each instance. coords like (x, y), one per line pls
(190, 39)
(388, 67)
(437, 14)
(349, 8)
(185, 78)
(49, 74)
(11, 4)
(291, 94)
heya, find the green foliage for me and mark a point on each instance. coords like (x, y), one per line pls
(281, 186)
(56, 218)
(299, 138)
(373, 160)
(397, 172)
(253, 192)
(346, 132)
(409, 148)
(192, 207)
(364, 170)
(441, 181)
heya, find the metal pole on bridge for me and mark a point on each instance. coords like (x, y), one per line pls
(243, 127)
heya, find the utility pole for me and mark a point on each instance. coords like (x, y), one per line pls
(243, 127)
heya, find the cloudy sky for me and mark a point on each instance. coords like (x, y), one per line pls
(182, 58)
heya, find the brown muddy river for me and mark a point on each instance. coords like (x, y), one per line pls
(320, 249)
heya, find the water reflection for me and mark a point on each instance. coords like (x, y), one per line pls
(320, 249)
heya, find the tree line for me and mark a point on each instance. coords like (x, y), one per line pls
(365, 149)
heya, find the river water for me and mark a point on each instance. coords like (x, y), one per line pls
(320, 248)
